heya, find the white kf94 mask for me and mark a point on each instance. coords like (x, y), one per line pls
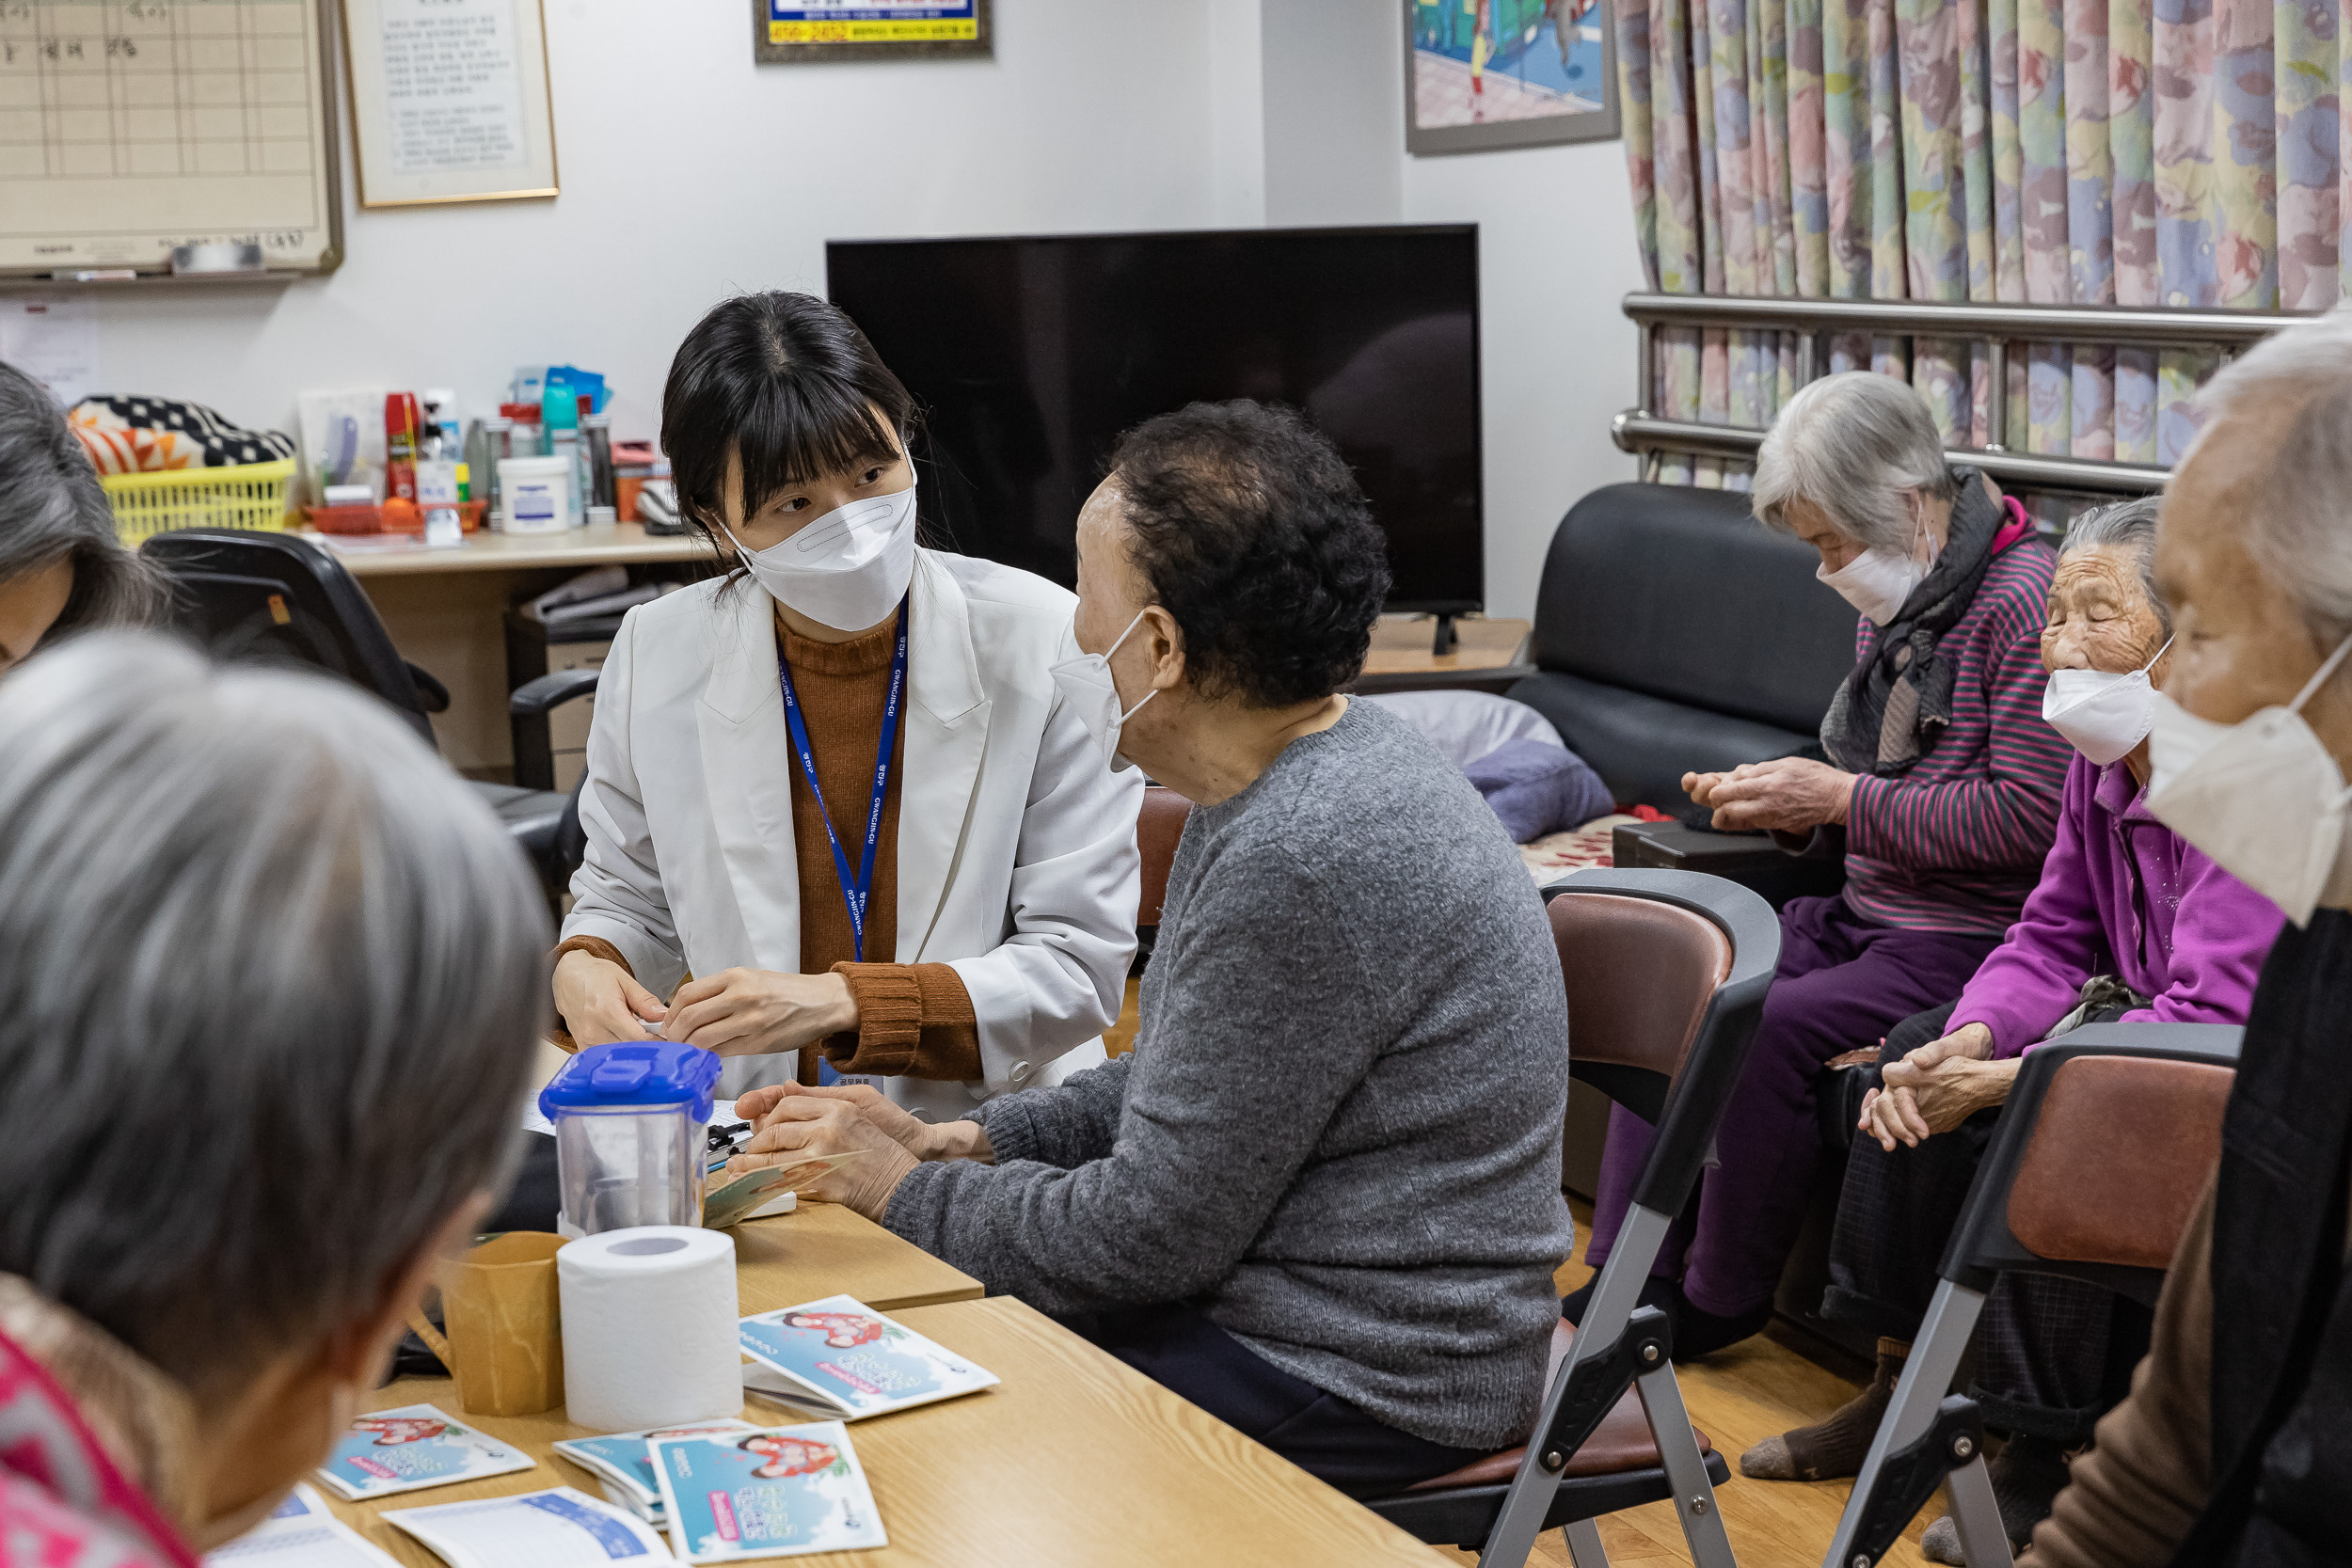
(2102, 714)
(848, 569)
(2263, 798)
(1086, 686)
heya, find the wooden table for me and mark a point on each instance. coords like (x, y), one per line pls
(823, 1249)
(1074, 1459)
(1487, 656)
(446, 610)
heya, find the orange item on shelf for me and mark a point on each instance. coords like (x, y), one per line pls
(346, 519)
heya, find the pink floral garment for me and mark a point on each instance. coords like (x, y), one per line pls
(63, 1502)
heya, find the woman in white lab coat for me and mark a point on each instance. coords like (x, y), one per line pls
(835, 799)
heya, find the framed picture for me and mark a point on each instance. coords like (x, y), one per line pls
(786, 31)
(449, 101)
(1480, 74)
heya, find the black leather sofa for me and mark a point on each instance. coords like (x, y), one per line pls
(1674, 632)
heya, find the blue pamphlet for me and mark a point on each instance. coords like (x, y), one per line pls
(781, 1492)
(842, 1358)
(622, 1459)
(414, 1447)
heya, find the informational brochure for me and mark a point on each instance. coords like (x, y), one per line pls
(556, 1529)
(412, 1447)
(622, 1463)
(781, 1492)
(842, 1358)
(302, 1532)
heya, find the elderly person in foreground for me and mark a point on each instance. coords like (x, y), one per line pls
(62, 569)
(1321, 1197)
(2130, 922)
(1942, 781)
(2231, 1448)
(269, 988)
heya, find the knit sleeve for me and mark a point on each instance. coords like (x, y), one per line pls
(914, 1020)
(1999, 816)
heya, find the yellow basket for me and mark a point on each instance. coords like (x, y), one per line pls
(243, 495)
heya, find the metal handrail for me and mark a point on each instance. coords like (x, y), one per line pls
(1642, 432)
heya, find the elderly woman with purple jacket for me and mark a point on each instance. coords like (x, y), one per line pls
(2128, 923)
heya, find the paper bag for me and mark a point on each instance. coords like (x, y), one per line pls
(504, 1344)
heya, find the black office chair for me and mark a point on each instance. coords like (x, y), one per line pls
(1666, 974)
(257, 597)
(2059, 1192)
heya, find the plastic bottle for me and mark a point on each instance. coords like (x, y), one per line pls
(596, 434)
(525, 440)
(562, 416)
(400, 446)
(498, 432)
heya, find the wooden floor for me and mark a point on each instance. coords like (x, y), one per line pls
(1737, 1396)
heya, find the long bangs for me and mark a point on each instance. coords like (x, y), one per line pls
(800, 425)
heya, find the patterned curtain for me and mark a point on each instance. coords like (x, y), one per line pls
(2056, 152)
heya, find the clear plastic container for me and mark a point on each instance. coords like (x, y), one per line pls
(630, 1122)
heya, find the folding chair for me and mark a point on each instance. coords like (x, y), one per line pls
(1666, 973)
(2059, 1194)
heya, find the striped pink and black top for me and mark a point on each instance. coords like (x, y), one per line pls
(1957, 843)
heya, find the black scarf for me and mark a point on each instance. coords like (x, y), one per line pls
(1896, 705)
(2281, 1296)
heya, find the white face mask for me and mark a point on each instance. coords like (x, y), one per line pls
(2102, 714)
(1877, 582)
(2261, 798)
(849, 569)
(1086, 686)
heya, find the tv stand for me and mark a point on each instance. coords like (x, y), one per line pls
(1444, 641)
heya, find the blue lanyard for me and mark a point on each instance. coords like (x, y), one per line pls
(854, 890)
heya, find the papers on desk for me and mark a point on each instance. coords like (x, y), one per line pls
(840, 1358)
(412, 1447)
(622, 1462)
(556, 1529)
(301, 1533)
(780, 1492)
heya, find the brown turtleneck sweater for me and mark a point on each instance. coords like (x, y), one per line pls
(914, 1020)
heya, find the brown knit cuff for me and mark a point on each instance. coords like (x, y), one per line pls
(560, 1035)
(914, 1020)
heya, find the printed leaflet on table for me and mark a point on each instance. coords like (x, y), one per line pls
(300, 1532)
(414, 1447)
(781, 1492)
(841, 1358)
(622, 1462)
(555, 1528)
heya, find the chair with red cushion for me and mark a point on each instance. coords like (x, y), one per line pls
(1666, 974)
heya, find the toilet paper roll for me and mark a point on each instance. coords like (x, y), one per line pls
(649, 1316)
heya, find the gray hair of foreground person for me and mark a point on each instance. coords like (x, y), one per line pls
(2300, 530)
(1858, 445)
(53, 509)
(2129, 526)
(271, 978)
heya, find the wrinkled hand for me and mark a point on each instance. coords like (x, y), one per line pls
(1700, 788)
(802, 1124)
(954, 1140)
(600, 1002)
(1936, 1087)
(749, 1012)
(1789, 794)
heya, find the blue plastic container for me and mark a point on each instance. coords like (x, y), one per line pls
(629, 1126)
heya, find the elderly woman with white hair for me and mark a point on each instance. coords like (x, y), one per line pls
(270, 982)
(1939, 777)
(2231, 1448)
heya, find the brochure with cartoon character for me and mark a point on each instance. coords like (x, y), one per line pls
(556, 1529)
(781, 1492)
(300, 1532)
(841, 1358)
(620, 1460)
(411, 1448)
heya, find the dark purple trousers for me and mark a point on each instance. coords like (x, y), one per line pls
(1843, 981)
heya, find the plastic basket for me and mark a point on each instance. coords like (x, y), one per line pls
(243, 495)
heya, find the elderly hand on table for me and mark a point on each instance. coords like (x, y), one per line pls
(1789, 794)
(795, 1121)
(1936, 1087)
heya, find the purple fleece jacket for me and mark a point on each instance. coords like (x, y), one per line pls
(2121, 895)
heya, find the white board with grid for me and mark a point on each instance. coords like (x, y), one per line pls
(130, 126)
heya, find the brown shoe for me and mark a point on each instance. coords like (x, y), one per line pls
(1834, 1447)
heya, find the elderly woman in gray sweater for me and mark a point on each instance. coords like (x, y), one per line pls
(1321, 1198)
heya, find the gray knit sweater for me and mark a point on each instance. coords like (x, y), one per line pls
(1339, 1128)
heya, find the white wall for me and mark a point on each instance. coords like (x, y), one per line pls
(689, 173)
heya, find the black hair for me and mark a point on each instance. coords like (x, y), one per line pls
(1252, 530)
(788, 384)
(53, 509)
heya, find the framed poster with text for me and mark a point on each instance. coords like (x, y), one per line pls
(794, 31)
(449, 101)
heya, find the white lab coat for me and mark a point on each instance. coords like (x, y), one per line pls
(1017, 861)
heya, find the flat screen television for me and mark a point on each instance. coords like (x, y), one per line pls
(1030, 355)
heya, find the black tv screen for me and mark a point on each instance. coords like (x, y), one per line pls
(1030, 355)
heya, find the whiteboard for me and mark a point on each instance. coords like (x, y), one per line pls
(130, 126)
